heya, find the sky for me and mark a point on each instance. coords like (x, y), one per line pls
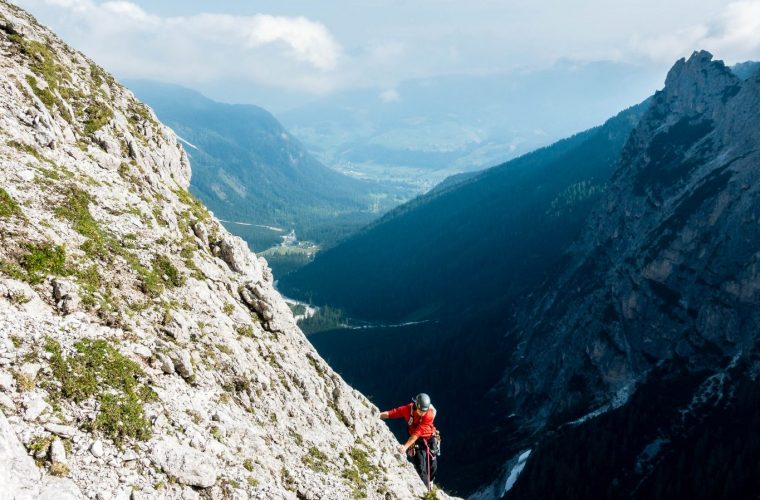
(271, 52)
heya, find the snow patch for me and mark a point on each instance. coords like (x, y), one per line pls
(506, 480)
(516, 470)
(619, 399)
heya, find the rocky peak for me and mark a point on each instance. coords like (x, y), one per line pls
(666, 267)
(693, 85)
(143, 349)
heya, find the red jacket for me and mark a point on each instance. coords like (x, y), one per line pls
(422, 427)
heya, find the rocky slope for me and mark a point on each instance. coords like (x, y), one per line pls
(143, 349)
(666, 276)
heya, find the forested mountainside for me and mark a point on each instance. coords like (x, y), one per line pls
(486, 239)
(144, 351)
(659, 296)
(470, 251)
(658, 292)
(247, 168)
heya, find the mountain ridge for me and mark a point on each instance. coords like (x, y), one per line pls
(144, 351)
(247, 167)
(661, 287)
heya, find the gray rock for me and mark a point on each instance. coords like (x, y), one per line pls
(182, 363)
(96, 448)
(142, 351)
(36, 409)
(234, 251)
(165, 363)
(7, 383)
(7, 403)
(30, 369)
(187, 465)
(20, 478)
(65, 295)
(57, 452)
(180, 328)
(65, 431)
(255, 302)
(201, 231)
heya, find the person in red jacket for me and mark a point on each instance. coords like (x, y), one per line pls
(422, 446)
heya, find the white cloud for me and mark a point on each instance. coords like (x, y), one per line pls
(390, 95)
(733, 36)
(371, 44)
(287, 52)
(309, 41)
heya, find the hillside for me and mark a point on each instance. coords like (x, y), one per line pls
(652, 322)
(143, 349)
(459, 259)
(247, 168)
(651, 306)
(483, 240)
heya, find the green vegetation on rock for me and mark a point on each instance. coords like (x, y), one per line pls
(41, 260)
(8, 206)
(98, 114)
(359, 472)
(316, 460)
(104, 246)
(166, 271)
(99, 370)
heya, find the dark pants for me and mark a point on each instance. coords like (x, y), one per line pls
(422, 457)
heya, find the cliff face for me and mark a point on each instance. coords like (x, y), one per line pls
(667, 271)
(143, 349)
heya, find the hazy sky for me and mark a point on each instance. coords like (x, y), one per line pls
(252, 50)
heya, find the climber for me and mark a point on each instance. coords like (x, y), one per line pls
(422, 447)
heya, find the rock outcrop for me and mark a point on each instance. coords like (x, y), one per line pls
(666, 272)
(143, 349)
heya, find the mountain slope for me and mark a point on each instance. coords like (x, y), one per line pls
(662, 286)
(248, 168)
(485, 239)
(459, 259)
(143, 348)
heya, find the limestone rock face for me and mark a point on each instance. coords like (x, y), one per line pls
(666, 270)
(135, 331)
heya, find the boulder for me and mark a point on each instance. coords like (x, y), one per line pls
(96, 448)
(65, 295)
(65, 431)
(201, 231)
(35, 408)
(235, 253)
(165, 363)
(182, 363)
(187, 465)
(57, 452)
